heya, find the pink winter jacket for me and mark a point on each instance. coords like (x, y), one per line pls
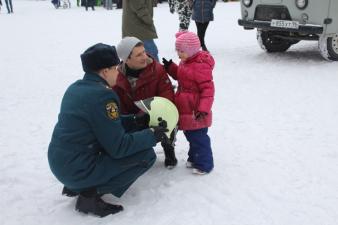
(195, 91)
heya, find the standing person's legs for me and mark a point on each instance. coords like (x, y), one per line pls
(200, 153)
(86, 4)
(201, 29)
(10, 5)
(7, 6)
(92, 4)
(119, 4)
(172, 5)
(184, 14)
(151, 48)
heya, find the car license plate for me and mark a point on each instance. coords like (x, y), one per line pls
(285, 24)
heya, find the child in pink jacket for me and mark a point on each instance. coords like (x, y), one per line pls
(194, 98)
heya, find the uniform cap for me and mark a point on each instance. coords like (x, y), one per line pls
(99, 56)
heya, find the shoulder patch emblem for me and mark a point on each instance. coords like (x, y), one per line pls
(112, 110)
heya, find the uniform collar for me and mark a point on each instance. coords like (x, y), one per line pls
(94, 77)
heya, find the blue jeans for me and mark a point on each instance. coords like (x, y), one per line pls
(151, 48)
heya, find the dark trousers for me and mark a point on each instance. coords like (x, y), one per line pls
(119, 4)
(89, 3)
(119, 184)
(200, 153)
(9, 6)
(201, 30)
(121, 174)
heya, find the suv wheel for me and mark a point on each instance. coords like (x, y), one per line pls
(332, 47)
(328, 47)
(270, 43)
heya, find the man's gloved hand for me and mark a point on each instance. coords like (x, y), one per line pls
(142, 120)
(200, 115)
(166, 63)
(159, 133)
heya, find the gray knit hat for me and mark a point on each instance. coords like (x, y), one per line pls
(125, 47)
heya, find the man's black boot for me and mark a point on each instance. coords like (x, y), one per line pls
(170, 160)
(69, 193)
(96, 206)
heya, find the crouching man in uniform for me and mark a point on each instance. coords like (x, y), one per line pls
(94, 150)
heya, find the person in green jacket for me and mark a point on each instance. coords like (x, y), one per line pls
(94, 150)
(137, 21)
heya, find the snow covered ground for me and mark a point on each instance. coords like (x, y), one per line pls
(274, 137)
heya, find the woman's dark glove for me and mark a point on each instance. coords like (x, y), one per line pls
(142, 120)
(166, 63)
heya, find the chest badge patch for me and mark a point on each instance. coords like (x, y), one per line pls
(112, 110)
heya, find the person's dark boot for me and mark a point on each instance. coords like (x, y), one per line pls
(170, 160)
(69, 193)
(95, 205)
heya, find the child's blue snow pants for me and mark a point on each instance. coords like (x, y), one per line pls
(200, 153)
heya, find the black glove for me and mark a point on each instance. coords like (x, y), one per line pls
(142, 120)
(166, 63)
(159, 133)
(200, 115)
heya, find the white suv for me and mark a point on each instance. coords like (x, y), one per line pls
(282, 23)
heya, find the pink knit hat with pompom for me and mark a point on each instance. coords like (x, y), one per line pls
(187, 42)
